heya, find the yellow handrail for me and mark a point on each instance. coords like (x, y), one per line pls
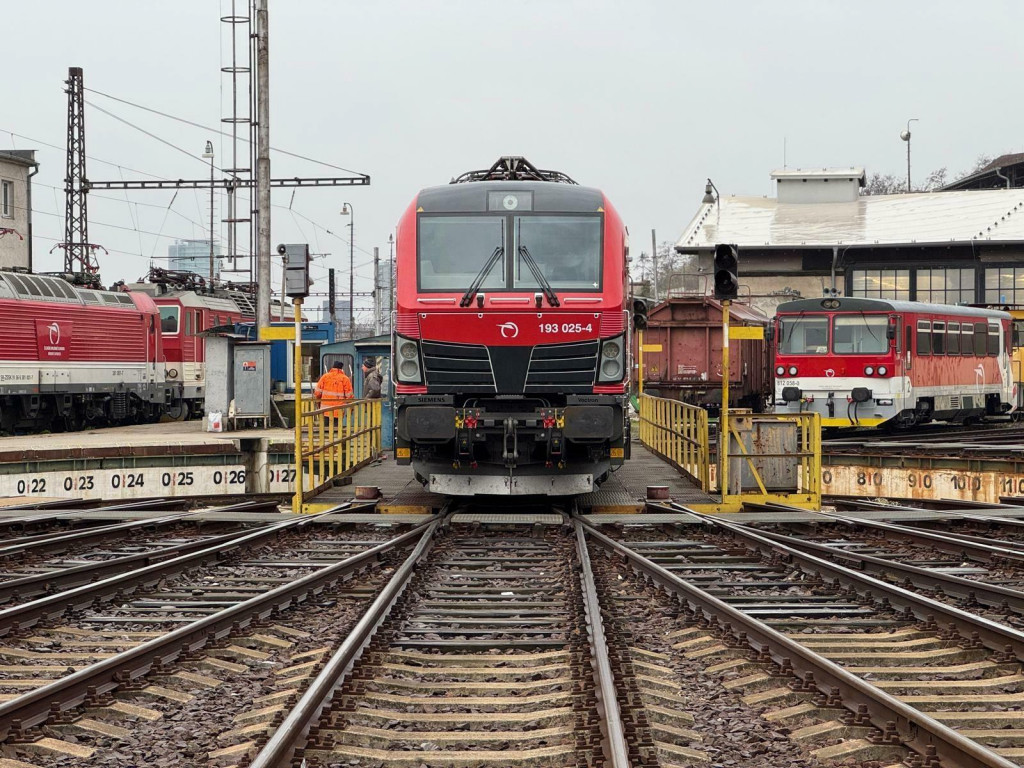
(678, 432)
(335, 442)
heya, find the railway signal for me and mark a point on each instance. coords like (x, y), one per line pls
(727, 281)
(641, 306)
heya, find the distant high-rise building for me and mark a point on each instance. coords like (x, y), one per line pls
(194, 256)
(340, 317)
(384, 288)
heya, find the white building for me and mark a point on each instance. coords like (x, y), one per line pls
(194, 256)
(17, 167)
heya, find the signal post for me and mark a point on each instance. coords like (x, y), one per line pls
(727, 284)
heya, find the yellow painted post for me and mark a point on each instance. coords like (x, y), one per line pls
(640, 363)
(297, 498)
(723, 419)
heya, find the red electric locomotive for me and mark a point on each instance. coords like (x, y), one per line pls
(868, 362)
(510, 341)
(72, 356)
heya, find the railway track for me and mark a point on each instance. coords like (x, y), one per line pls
(538, 641)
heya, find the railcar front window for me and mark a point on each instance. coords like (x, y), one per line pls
(803, 336)
(169, 320)
(860, 335)
(566, 249)
(453, 249)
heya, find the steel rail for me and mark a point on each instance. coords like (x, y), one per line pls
(91, 515)
(292, 733)
(916, 729)
(992, 634)
(35, 707)
(28, 614)
(924, 578)
(947, 541)
(62, 539)
(614, 741)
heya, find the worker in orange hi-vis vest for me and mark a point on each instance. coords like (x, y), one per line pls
(334, 388)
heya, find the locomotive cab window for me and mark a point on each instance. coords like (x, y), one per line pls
(1018, 333)
(169, 320)
(860, 335)
(966, 339)
(924, 337)
(453, 250)
(938, 337)
(803, 335)
(566, 250)
(953, 339)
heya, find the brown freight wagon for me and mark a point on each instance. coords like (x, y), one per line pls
(689, 365)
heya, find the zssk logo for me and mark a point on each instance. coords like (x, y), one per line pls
(508, 330)
(54, 330)
(830, 372)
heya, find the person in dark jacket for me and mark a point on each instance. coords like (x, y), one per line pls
(372, 380)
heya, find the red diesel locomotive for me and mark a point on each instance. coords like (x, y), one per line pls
(868, 362)
(510, 342)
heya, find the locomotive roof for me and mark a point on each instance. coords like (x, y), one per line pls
(471, 197)
(857, 304)
(21, 285)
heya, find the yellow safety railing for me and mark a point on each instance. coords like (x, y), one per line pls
(335, 441)
(678, 432)
(805, 460)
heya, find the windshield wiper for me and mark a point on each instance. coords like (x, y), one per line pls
(467, 297)
(538, 275)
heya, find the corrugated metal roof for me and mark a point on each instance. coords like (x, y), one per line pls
(995, 216)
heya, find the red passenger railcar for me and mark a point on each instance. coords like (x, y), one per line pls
(867, 362)
(510, 341)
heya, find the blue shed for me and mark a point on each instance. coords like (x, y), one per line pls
(351, 353)
(314, 337)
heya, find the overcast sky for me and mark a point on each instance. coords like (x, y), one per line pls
(642, 98)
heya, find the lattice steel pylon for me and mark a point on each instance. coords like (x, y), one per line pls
(78, 251)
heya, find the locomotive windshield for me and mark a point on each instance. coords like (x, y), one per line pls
(565, 250)
(860, 334)
(804, 335)
(454, 249)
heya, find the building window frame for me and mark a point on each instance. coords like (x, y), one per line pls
(6, 199)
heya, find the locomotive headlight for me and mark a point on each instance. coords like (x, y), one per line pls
(780, 370)
(613, 363)
(409, 371)
(869, 370)
(792, 370)
(882, 370)
(172, 373)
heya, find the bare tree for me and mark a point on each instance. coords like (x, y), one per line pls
(884, 184)
(979, 162)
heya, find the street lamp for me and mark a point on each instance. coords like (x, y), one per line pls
(209, 154)
(391, 280)
(905, 135)
(348, 210)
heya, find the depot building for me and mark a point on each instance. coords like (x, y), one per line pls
(820, 234)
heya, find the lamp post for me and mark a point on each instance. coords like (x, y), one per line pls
(391, 280)
(348, 210)
(905, 135)
(209, 154)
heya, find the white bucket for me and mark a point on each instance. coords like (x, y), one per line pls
(214, 422)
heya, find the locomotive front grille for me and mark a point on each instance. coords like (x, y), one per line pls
(544, 369)
(562, 367)
(457, 367)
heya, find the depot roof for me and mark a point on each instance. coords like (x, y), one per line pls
(935, 218)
